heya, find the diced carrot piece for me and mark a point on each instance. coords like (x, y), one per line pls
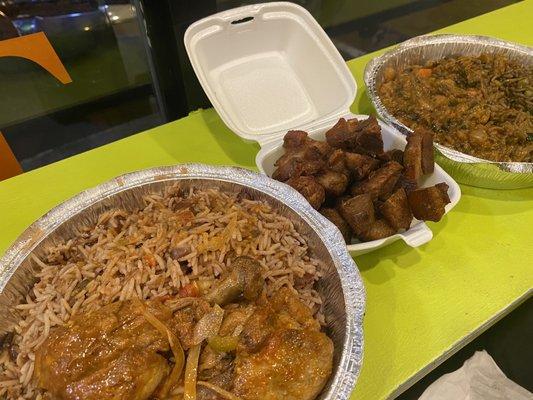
(424, 72)
(189, 290)
(185, 217)
(150, 260)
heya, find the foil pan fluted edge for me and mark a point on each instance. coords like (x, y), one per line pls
(342, 286)
(463, 167)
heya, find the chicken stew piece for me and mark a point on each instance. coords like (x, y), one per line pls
(112, 353)
(282, 354)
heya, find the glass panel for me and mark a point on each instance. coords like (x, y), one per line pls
(111, 94)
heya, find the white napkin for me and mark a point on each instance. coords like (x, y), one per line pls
(478, 379)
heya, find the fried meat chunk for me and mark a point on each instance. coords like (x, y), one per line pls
(428, 203)
(381, 182)
(358, 211)
(396, 210)
(334, 183)
(337, 219)
(418, 157)
(356, 136)
(310, 188)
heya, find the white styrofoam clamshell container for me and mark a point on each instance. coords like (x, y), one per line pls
(269, 68)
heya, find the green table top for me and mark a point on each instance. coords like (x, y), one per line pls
(422, 304)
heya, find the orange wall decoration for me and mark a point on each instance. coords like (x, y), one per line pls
(37, 48)
(9, 165)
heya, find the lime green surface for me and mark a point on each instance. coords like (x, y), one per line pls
(420, 302)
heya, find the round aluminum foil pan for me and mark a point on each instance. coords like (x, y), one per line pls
(464, 168)
(341, 286)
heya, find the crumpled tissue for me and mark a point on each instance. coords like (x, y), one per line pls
(478, 379)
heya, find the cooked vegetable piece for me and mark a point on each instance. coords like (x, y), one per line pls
(424, 72)
(191, 373)
(190, 290)
(223, 343)
(209, 325)
(244, 279)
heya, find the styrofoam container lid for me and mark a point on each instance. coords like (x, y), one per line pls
(268, 68)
